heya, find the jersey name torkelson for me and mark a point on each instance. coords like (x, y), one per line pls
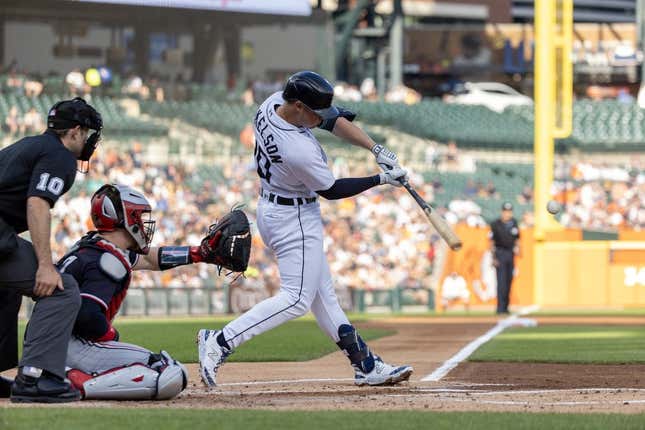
(262, 126)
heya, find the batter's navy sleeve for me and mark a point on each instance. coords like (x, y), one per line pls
(329, 124)
(91, 322)
(309, 167)
(52, 176)
(348, 187)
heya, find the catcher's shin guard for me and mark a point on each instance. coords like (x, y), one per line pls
(135, 382)
(355, 348)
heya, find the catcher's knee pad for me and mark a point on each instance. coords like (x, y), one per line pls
(173, 378)
(355, 348)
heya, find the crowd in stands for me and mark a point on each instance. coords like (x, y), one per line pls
(17, 124)
(602, 196)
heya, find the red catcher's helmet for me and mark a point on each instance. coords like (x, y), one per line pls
(119, 206)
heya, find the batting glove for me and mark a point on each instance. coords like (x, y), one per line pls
(394, 176)
(385, 158)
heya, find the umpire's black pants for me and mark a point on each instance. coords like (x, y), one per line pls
(50, 326)
(505, 266)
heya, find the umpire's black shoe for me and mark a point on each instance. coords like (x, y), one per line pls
(5, 387)
(45, 389)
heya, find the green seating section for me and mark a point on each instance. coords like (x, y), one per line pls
(600, 126)
(115, 121)
(469, 126)
(597, 125)
(217, 91)
(608, 125)
(509, 181)
(225, 118)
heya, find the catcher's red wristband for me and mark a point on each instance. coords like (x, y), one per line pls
(111, 334)
(195, 254)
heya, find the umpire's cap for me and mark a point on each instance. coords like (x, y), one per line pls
(70, 113)
(314, 91)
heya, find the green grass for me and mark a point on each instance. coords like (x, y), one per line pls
(627, 312)
(567, 344)
(180, 419)
(298, 340)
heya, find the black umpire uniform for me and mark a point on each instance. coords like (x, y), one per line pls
(38, 166)
(504, 234)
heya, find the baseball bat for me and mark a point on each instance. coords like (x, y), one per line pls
(435, 219)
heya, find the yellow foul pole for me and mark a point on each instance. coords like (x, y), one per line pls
(544, 74)
(553, 112)
(553, 97)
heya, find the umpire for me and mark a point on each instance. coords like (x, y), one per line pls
(34, 173)
(504, 235)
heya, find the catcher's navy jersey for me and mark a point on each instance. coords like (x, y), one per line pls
(83, 263)
(288, 159)
(34, 166)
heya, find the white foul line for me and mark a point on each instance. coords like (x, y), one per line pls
(285, 381)
(467, 350)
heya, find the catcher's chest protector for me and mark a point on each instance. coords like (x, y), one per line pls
(113, 263)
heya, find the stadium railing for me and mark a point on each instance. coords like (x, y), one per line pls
(166, 302)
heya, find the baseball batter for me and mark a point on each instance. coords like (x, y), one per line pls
(293, 172)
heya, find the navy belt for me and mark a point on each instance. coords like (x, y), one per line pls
(286, 201)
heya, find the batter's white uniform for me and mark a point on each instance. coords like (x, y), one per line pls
(292, 166)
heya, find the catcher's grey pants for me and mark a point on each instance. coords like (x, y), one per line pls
(98, 357)
(52, 319)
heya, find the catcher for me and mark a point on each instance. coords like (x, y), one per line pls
(98, 364)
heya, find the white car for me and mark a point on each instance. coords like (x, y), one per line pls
(493, 95)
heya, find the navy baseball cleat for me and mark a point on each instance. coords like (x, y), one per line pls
(45, 389)
(383, 374)
(211, 355)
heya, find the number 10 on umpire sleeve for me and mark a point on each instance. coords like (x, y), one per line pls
(54, 184)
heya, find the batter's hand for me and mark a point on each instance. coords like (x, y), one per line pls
(47, 280)
(394, 176)
(385, 158)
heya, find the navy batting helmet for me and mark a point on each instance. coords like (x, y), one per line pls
(314, 91)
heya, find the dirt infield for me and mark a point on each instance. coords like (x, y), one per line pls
(326, 383)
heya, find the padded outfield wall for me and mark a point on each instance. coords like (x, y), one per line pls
(573, 272)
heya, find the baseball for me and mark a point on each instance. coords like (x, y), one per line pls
(553, 207)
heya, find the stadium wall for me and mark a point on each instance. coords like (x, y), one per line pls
(574, 273)
(281, 48)
(32, 46)
(265, 49)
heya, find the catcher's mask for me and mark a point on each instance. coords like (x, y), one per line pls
(119, 206)
(70, 113)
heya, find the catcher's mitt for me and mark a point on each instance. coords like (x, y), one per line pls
(228, 242)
